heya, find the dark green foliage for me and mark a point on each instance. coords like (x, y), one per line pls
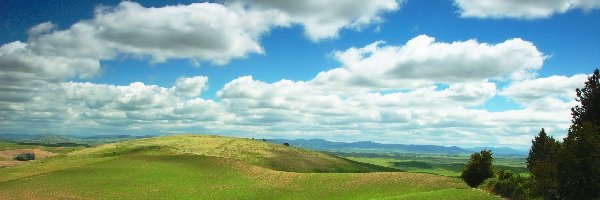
(579, 157)
(478, 168)
(508, 185)
(544, 148)
(25, 157)
(286, 144)
(579, 163)
(542, 164)
(589, 97)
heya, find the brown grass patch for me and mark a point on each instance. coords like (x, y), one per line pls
(7, 156)
(415, 179)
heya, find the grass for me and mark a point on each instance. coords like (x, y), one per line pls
(210, 167)
(451, 166)
(272, 156)
(8, 145)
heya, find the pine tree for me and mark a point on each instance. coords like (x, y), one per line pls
(579, 164)
(589, 97)
(543, 148)
(579, 157)
(542, 164)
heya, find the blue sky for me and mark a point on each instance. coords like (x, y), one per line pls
(453, 72)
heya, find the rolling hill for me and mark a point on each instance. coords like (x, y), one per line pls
(215, 167)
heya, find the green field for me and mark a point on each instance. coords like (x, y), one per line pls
(445, 165)
(213, 167)
(6, 145)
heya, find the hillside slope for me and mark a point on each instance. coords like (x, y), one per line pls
(213, 167)
(254, 152)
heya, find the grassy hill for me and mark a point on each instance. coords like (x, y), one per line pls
(214, 167)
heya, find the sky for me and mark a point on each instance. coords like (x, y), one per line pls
(445, 72)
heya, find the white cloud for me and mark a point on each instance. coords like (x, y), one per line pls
(191, 86)
(554, 92)
(422, 60)
(81, 108)
(419, 92)
(23, 71)
(522, 9)
(201, 31)
(325, 18)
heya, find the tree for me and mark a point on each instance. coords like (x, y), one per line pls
(478, 168)
(579, 164)
(543, 148)
(542, 164)
(286, 144)
(579, 157)
(589, 97)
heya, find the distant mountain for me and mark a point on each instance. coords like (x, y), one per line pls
(505, 151)
(369, 147)
(39, 138)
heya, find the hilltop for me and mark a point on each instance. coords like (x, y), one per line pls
(254, 152)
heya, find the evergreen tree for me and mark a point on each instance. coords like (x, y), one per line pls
(542, 164)
(478, 168)
(589, 97)
(579, 164)
(543, 148)
(579, 157)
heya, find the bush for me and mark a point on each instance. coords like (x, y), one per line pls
(286, 144)
(508, 185)
(478, 168)
(25, 157)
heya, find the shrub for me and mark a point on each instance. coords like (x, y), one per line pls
(25, 157)
(478, 168)
(286, 144)
(508, 185)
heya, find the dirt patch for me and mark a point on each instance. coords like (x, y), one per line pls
(6, 156)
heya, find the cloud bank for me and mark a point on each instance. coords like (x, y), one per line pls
(423, 91)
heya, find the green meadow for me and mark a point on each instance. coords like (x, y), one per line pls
(445, 165)
(215, 167)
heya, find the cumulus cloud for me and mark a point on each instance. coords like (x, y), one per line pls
(421, 92)
(202, 31)
(522, 9)
(88, 106)
(24, 71)
(414, 116)
(423, 60)
(325, 18)
(191, 86)
(554, 92)
(410, 93)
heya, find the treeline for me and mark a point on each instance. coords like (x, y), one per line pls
(559, 170)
